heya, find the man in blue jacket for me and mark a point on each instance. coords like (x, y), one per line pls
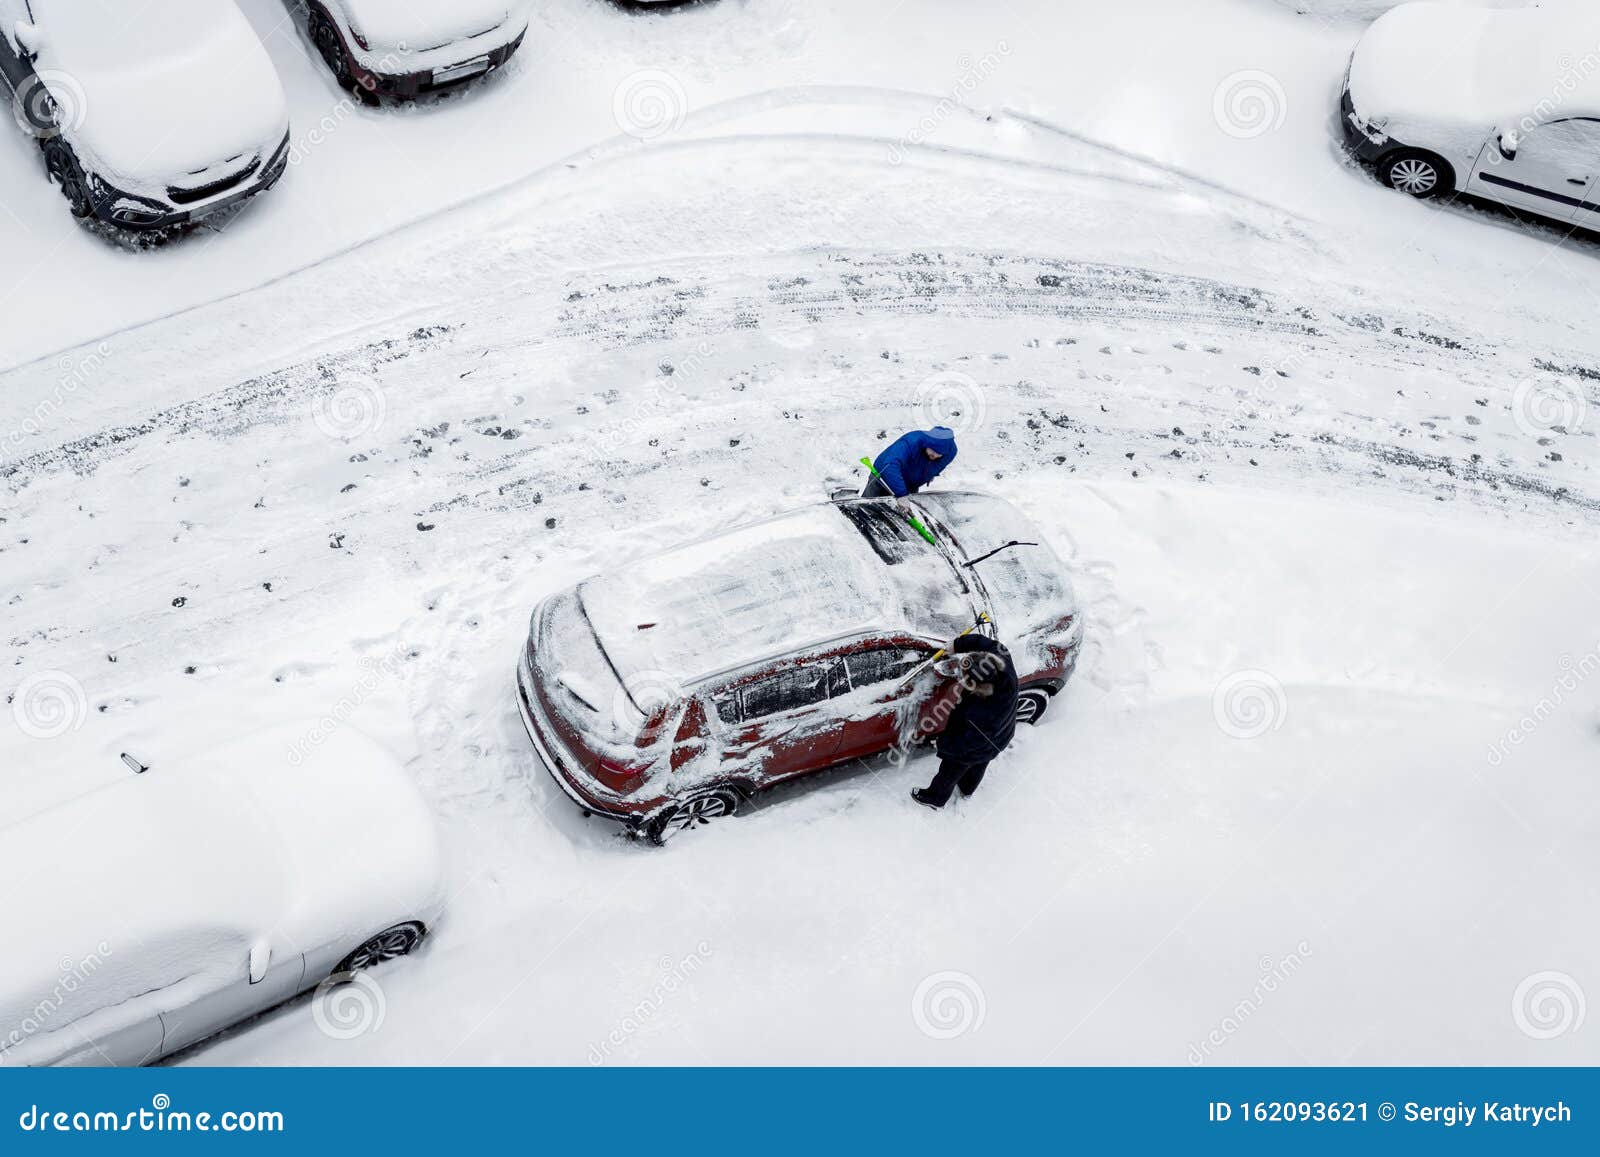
(911, 462)
(982, 724)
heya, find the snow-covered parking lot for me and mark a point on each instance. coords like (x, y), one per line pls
(1320, 460)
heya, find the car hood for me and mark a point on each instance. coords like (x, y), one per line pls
(1457, 65)
(188, 95)
(409, 26)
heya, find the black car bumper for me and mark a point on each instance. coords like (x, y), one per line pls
(408, 85)
(1362, 146)
(142, 214)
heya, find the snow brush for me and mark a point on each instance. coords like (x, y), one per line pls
(983, 619)
(911, 518)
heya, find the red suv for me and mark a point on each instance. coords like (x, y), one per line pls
(666, 694)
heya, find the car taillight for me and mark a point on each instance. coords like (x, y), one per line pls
(622, 778)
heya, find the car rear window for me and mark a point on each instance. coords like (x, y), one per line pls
(582, 688)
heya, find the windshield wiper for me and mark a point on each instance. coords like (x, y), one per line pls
(1007, 546)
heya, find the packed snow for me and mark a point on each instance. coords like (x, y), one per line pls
(1319, 461)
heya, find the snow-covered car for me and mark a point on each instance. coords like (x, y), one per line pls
(153, 912)
(1444, 98)
(666, 694)
(149, 115)
(403, 48)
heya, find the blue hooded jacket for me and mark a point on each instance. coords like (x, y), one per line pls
(904, 467)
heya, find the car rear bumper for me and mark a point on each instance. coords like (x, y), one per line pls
(574, 788)
(406, 85)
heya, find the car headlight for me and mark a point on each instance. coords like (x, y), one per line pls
(130, 211)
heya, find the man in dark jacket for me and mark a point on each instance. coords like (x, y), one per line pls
(911, 462)
(981, 725)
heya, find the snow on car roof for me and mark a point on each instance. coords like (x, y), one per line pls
(765, 590)
(159, 90)
(410, 25)
(1479, 68)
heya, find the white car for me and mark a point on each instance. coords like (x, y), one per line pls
(149, 115)
(151, 913)
(403, 48)
(1503, 104)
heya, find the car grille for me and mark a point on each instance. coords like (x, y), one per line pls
(189, 196)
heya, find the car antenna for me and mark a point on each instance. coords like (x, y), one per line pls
(911, 518)
(997, 550)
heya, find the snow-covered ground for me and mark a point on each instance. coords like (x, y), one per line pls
(1321, 460)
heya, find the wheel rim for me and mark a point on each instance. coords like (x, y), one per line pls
(390, 945)
(1415, 176)
(1029, 708)
(698, 812)
(327, 41)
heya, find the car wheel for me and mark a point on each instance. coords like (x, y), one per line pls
(1032, 704)
(1417, 173)
(64, 170)
(390, 944)
(695, 812)
(326, 37)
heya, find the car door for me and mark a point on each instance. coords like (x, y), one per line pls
(211, 1012)
(781, 724)
(1554, 170)
(84, 1045)
(879, 672)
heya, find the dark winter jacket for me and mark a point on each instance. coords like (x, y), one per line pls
(980, 727)
(904, 467)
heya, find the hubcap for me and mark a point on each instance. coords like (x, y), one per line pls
(1414, 176)
(390, 945)
(1028, 709)
(697, 812)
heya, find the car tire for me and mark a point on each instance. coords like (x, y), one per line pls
(390, 944)
(1032, 702)
(64, 170)
(1417, 173)
(695, 811)
(325, 36)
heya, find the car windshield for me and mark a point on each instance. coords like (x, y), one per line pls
(937, 598)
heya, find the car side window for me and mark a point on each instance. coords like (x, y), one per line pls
(883, 665)
(804, 685)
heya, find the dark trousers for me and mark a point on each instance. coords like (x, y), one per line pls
(876, 489)
(954, 773)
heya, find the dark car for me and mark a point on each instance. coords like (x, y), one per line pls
(383, 48)
(147, 117)
(665, 694)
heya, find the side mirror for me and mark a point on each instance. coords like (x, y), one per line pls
(1508, 142)
(28, 38)
(260, 958)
